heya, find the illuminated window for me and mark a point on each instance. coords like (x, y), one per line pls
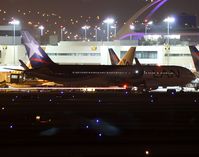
(74, 54)
(143, 54)
(177, 55)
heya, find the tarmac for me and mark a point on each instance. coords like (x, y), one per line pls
(101, 123)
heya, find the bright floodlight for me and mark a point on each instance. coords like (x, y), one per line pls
(109, 20)
(132, 27)
(150, 23)
(85, 27)
(14, 22)
(169, 19)
(113, 27)
(97, 28)
(41, 27)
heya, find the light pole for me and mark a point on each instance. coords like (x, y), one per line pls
(14, 22)
(62, 29)
(146, 26)
(169, 20)
(85, 28)
(96, 29)
(108, 21)
(115, 29)
(41, 30)
(132, 28)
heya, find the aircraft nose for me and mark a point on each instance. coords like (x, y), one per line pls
(193, 76)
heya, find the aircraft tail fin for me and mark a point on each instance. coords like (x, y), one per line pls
(36, 54)
(128, 57)
(114, 58)
(195, 55)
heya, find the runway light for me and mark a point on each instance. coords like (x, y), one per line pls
(87, 127)
(97, 121)
(3, 108)
(38, 117)
(11, 127)
(125, 86)
(100, 135)
(147, 152)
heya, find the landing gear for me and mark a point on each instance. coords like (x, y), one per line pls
(182, 89)
(143, 89)
(171, 91)
(196, 88)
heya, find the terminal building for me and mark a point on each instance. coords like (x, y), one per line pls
(81, 52)
(77, 52)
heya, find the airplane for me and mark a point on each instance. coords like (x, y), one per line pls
(195, 56)
(127, 59)
(101, 75)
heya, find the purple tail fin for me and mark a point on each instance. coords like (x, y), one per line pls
(36, 54)
(195, 56)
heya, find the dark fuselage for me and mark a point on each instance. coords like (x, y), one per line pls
(103, 75)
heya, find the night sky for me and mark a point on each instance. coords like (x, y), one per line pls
(73, 14)
(115, 8)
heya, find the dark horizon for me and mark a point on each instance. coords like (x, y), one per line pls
(120, 9)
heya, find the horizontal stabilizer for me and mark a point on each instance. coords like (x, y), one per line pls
(23, 65)
(14, 69)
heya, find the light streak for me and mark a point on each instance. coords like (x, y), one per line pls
(161, 3)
